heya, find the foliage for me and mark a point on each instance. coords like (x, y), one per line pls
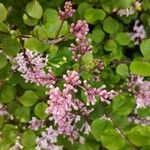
(74, 75)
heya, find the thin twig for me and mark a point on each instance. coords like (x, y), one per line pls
(59, 29)
(122, 133)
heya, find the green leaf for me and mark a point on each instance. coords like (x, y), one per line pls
(29, 21)
(39, 110)
(87, 58)
(3, 11)
(123, 38)
(35, 45)
(9, 133)
(145, 49)
(112, 140)
(83, 7)
(122, 69)
(110, 25)
(7, 94)
(139, 135)
(29, 98)
(98, 35)
(28, 139)
(123, 105)
(22, 114)
(3, 61)
(11, 46)
(3, 27)
(110, 45)
(99, 126)
(34, 9)
(92, 15)
(140, 68)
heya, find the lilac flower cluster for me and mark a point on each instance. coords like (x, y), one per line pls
(144, 121)
(68, 11)
(62, 107)
(138, 33)
(128, 11)
(101, 92)
(141, 90)
(83, 44)
(35, 124)
(47, 140)
(31, 65)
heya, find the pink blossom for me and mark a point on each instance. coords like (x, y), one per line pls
(138, 33)
(80, 29)
(68, 11)
(17, 145)
(47, 140)
(35, 124)
(141, 90)
(81, 47)
(31, 65)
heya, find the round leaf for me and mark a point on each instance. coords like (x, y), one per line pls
(29, 98)
(122, 69)
(110, 25)
(29, 21)
(3, 11)
(39, 110)
(34, 9)
(145, 48)
(3, 61)
(123, 38)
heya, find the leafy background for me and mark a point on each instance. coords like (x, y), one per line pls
(111, 44)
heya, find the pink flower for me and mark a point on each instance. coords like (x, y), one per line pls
(80, 29)
(35, 124)
(68, 11)
(47, 140)
(138, 33)
(31, 65)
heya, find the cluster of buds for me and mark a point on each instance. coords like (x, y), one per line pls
(144, 121)
(35, 124)
(141, 91)
(138, 33)
(83, 44)
(68, 11)
(31, 65)
(101, 92)
(128, 11)
(47, 140)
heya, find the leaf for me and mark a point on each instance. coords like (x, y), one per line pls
(83, 7)
(99, 126)
(11, 46)
(140, 68)
(123, 105)
(122, 69)
(22, 114)
(29, 21)
(34, 9)
(110, 45)
(3, 61)
(40, 109)
(110, 25)
(112, 140)
(3, 11)
(87, 58)
(145, 49)
(35, 45)
(7, 94)
(92, 15)
(3, 27)
(139, 135)
(29, 98)
(98, 35)
(123, 38)
(28, 139)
